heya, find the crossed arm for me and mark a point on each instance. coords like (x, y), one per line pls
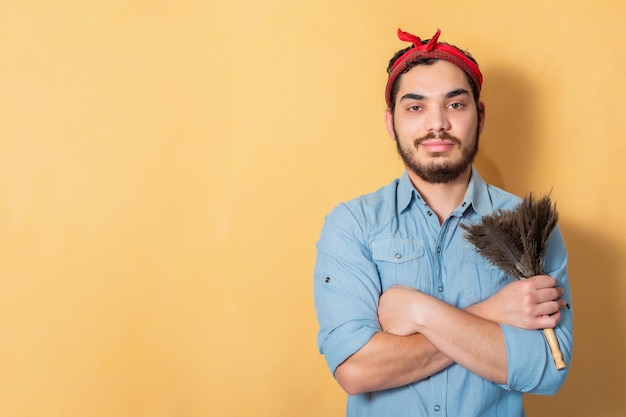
(423, 335)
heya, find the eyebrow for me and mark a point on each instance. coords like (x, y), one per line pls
(457, 92)
(451, 94)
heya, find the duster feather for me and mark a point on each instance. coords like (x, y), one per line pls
(516, 241)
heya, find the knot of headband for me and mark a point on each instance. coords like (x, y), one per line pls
(431, 50)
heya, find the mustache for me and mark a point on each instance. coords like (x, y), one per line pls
(438, 135)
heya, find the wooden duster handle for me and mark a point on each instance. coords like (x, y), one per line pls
(554, 347)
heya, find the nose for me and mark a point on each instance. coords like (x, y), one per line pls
(436, 120)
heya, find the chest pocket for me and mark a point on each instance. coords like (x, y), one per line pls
(481, 278)
(400, 262)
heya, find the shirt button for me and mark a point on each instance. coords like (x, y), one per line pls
(437, 408)
(438, 249)
(440, 288)
(398, 255)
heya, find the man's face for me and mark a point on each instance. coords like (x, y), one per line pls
(436, 122)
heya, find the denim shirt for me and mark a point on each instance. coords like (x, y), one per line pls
(391, 237)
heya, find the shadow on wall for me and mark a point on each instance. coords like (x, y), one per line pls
(510, 130)
(595, 385)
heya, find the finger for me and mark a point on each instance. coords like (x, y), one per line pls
(548, 322)
(549, 294)
(544, 281)
(556, 318)
(548, 308)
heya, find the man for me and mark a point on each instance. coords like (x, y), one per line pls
(413, 322)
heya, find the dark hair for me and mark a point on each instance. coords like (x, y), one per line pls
(425, 61)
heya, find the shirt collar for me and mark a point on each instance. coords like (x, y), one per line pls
(406, 191)
(476, 196)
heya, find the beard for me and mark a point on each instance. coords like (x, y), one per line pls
(438, 170)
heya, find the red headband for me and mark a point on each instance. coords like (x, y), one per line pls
(432, 49)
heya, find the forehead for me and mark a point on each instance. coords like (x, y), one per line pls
(438, 78)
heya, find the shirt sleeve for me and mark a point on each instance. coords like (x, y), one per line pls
(530, 364)
(346, 288)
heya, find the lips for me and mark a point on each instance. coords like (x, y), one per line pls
(437, 145)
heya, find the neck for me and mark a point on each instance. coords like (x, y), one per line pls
(444, 198)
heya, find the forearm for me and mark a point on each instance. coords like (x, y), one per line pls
(471, 341)
(389, 361)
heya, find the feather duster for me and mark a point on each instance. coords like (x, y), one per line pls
(516, 241)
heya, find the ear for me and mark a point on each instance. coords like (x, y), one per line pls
(389, 124)
(481, 116)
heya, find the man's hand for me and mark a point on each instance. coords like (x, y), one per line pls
(396, 310)
(531, 304)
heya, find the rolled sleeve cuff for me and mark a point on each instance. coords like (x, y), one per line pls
(527, 358)
(346, 340)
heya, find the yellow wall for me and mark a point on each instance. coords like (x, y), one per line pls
(165, 168)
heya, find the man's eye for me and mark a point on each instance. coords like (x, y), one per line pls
(456, 106)
(415, 108)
